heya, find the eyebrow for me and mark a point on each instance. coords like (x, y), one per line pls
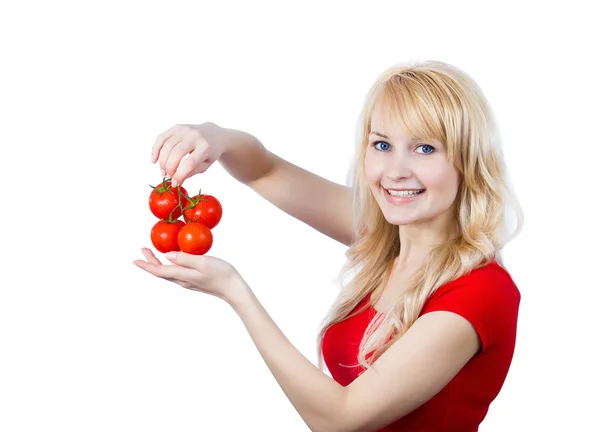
(387, 137)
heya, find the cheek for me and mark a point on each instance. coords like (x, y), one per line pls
(373, 169)
(368, 169)
(446, 183)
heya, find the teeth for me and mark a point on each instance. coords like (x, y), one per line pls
(405, 193)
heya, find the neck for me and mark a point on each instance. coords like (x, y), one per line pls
(417, 241)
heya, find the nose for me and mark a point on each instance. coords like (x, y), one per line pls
(398, 169)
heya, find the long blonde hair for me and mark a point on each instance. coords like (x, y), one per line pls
(432, 99)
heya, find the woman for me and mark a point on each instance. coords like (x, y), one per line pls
(422, 336)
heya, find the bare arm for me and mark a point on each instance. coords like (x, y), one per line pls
(244, 157)
(320, 203)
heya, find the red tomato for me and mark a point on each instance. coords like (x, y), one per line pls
(195, 238)
(163, 199)
(164, 235)
(205, 209)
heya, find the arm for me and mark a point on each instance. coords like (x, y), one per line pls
(240, 149)
(314, 395)
(412, 371)
(418, 365)
(320, 203)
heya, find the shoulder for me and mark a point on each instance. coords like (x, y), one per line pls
(491, 281)
(487, 297)
(494, 282)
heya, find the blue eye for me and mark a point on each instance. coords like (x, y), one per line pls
(427, 145)
(380, 142)
(383, 143)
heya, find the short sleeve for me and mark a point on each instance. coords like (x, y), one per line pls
(487, 298)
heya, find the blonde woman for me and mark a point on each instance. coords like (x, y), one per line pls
(421, 337)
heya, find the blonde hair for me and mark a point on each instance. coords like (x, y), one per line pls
(431, 99)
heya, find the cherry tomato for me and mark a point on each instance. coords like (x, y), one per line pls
(164, 198)
(164, 235)
(205, 209)
(195, 238)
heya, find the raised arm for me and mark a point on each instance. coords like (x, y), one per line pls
(320, 203)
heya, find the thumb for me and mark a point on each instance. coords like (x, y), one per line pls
(184, 259)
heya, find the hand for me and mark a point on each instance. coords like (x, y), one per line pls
(202, 273)
(204, 143)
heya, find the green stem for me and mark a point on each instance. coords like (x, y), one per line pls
(178, 205)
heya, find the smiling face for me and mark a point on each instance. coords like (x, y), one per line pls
(396, 160)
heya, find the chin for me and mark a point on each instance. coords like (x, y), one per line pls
(400, 218)
(401, 221)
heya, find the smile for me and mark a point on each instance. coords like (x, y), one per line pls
(402, 197)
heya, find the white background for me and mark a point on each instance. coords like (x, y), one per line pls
(91, 343)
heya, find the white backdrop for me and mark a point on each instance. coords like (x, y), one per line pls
(91, 343)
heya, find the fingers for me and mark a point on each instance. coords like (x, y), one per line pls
(150, 257)
(160, 140)
(177, 153)
(185, 260)
(189, 166)
(171, 142)
(172, 273)
(172, 147)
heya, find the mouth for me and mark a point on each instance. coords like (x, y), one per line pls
(403, 194)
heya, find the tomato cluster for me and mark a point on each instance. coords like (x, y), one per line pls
(193, 234)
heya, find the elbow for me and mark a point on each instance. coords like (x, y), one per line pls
(348, 424)
(333, 421)
(338, 428)
(339, 417)
(330, 424)
(338, 421)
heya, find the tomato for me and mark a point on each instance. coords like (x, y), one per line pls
(164, 235)
(163, 199)
(195, 238)
(205, 209)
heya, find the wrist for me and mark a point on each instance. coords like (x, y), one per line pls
(240, 294)
(233, 139)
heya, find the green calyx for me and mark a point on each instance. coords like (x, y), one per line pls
(163, 187)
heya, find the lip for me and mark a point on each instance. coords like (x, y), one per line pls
(401, 189)
(400, 200)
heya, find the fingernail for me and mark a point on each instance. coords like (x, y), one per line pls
(171, 256)
(173, 183)
(163, 172)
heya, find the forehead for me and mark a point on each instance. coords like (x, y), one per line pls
(387, 123)
(390, 124)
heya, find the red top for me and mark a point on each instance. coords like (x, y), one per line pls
(489, 299)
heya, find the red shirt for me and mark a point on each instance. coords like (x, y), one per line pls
(489, 299)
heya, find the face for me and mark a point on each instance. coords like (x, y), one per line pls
(397, 161)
